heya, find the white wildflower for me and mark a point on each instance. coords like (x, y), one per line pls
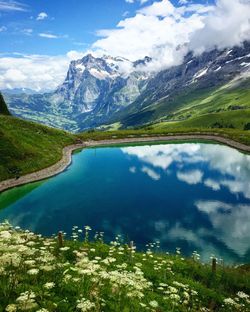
(242, 295)
(64, 248)
(33, 271)
(49, 285)
(11, 308)
(153, 304)
(85, 305)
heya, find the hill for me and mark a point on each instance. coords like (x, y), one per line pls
(27, 147)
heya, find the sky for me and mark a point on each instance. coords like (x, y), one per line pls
(38, 38)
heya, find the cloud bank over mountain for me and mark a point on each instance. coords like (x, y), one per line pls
(161, 30)
(166, 33)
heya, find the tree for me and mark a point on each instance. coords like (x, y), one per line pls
(3, 107)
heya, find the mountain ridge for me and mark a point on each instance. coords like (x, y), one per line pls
(107, 90)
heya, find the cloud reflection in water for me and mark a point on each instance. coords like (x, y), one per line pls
(227, 170)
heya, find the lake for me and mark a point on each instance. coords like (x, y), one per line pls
(195, 196)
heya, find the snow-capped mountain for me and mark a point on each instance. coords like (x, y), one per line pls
(104, 90)
(94, 84)
(170, 92)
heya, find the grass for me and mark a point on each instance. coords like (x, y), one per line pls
(163, 129)
(192, 102)
(41, 274)
(27, 147)
(230, 97)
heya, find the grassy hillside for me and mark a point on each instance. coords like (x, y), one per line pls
(80, 275)
(26, 147)
(3, 107)
(168, 128)
(234, 96)
(237, 120)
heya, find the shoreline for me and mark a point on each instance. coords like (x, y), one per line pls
(67, 151)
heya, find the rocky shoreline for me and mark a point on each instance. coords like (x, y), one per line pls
(65, 161)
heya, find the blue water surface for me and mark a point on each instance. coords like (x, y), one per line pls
(195, 196)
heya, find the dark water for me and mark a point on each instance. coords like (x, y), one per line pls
(194, 196)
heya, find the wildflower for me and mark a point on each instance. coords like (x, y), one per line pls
(30, 262)
(174, 297)
(231, 302)
(5, 235)
(49, 285)
(26, 300)
(143, 305)
(33, 271)
(64, 248)
(153, 304)
(242, 295)
(85, 305)
(178, 251)
(11, 308)
(42, 310)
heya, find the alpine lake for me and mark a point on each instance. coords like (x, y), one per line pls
(194, 196)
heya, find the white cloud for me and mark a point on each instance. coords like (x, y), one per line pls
(162, 156)
(166, 31)
(232, 166)
(163, 8)
(37, 72)
(227, 25)
(49, 36)
(13, 75)
(191, 177)
(75, 55)
(41, 16)
(27, 31)
(151, 173)
(161, 29)
(215, 186)
(231, 223)
(12, 6)
(133, 1)
(3, 28)
(132, 169)
(212, 206)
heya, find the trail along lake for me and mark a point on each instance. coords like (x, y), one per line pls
(195, 196)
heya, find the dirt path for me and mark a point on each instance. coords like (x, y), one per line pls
(67, 152)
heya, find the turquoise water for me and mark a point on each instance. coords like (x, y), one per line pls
(193, 196)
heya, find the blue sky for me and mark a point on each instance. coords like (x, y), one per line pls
(73, 22)
(38, 38)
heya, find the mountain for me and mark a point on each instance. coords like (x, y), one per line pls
(211, 82)
(94, 89)
(19, 91)
(3, 107)
(113, 90)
